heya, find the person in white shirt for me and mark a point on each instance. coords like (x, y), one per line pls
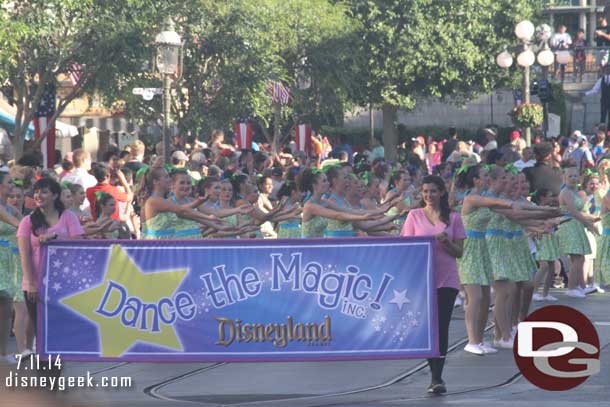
(560, 41)
(81, 176)
(527, 159)
(602, 86)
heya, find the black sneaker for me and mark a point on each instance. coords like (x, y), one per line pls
(437, 388)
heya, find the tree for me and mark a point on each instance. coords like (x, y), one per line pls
(417, 49)
(231, 51)
(41, 40)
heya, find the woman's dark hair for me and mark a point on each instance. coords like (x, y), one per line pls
(444, 202)
(466, 179)
(380, 169)
(260, 182)
(39, 221)
(146, 184)
(307, 179)
(67, 165)
(287, 188)
(541, 193)
(332, 174)
(205, 183)
(101, 201)
(395, 177)
(237, 180)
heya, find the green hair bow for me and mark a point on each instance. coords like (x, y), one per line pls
(463, 168)
(533, 194)
(489, 167)
(327, 168)
(142, 172)
(511, 168)
(18, 182)
(99, 195)
(589, 173)
(365, 178)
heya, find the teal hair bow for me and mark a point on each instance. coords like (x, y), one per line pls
(489, 167)
(18, 182)
(66, 184)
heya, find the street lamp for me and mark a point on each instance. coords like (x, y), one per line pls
(524, 31)
(169, 64)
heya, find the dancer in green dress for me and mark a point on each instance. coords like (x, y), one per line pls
(602, 262)
(547, 250)
(475, 264)
(316, 214)
(160, 214)
(572, 237)
(10, 272)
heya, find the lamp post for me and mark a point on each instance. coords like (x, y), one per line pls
(169, 64)
(526, 58)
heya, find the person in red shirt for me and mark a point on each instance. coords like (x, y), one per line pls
(101, 172)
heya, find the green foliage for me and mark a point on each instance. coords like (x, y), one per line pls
(425, 48)
(527, 115)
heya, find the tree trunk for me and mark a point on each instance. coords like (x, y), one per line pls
(18, 141)
(390, 139)
(277, 116)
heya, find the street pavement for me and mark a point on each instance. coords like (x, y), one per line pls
(490, 381)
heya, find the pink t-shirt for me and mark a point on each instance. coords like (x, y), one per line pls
(445, 266)
(67, 227)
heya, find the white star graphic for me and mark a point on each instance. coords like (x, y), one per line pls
(56, 287)
(57, 264)
(400, 299)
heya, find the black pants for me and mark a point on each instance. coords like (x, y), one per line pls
(445, 298)
(605, 112)
(32, 309)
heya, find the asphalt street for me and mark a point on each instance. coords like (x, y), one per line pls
(492, 380)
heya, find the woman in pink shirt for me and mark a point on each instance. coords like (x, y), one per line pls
(50, 220)
(436, 219)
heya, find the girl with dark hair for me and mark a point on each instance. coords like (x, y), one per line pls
(105, 205)
(50, 220)
(159, 215)
(11, 295)
(239, 182)
(209, 189)
(475, 266)
(399, 187)
(289, 195)
(435, 218)
(316, 213)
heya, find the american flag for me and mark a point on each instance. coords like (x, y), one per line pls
(279, 93)
(44, 113)
(75, 73)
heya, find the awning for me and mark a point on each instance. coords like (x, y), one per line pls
(65, 130)
(8, 121)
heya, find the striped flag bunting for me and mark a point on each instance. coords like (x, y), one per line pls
(279, 93)
(42, 122)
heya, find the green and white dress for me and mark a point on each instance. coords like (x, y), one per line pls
(337, 228)
(186, 229)
(547, 247)
(602, 261)
(314, 227)
(289, 229)
(11, 275)
(475, 264)
(160, 227)
(571, 234)
(498, 246)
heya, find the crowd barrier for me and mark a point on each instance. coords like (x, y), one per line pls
(238, 300)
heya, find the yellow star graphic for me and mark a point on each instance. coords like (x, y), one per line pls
(115, 337)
